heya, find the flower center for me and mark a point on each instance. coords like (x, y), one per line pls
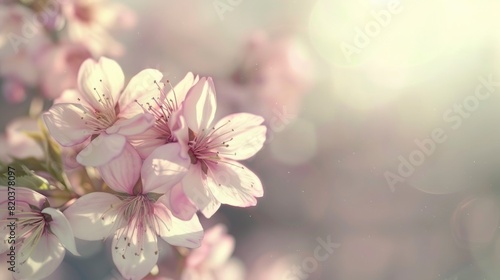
(31, 226)
(100, 120)
(205, 147)
(162, 108)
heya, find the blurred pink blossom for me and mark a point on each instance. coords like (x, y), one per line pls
(89, 22)
(43, 233)
(64, 60)
(21, 37)
(17, 144)
(275, 72)
(13, 90)
(212, 260)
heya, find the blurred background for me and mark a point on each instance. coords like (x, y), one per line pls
(382, 124)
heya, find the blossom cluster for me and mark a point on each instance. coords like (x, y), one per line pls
(160, 157)
(43, 43)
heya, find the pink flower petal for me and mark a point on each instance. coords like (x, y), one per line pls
(179, 92)
(133, 126)
(121, 173)
(198, 192)
(93, 216)
(61, 228)
(234, 184)
(142, 87)
(43, 260)
(200, 105)
(243, 134)
(163, 169)
(181, 132)
(19, 144)
(214, 243)
(137, 255)
(100, 80)
(146, 142)
(65, 124)
(178, 203)
(221, 251)
(102, 150)
(25, 195)
(178, 232)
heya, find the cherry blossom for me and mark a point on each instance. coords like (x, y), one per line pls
(212, 261)
(90, 22)
(134, 217)
(164, 107)
(42, 234)
(98, 112)
(213, 174)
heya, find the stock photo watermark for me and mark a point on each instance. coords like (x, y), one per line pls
(363, 36)
(224, 6)
(309, 265)
(454, 117)
(11, 227)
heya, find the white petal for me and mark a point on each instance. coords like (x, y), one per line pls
(93, 216)
(163, 168)
(177, 232)
(180, 90)
(44, 259)
(101, 150)
(137, 255)
(242, 135)
(61, 228)
(121, 173)
(65, 123)
(197, 191)
(234, 184)
(133, 126)
(142, 87)
(100, 80)
(181, 132)
(200, 105)
(178, 203)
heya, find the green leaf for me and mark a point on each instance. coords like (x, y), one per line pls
(26, 178)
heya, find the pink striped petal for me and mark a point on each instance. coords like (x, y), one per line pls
(102, 150)
(121, 173)
(178, 203)
(163, 169)
(196, 189)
